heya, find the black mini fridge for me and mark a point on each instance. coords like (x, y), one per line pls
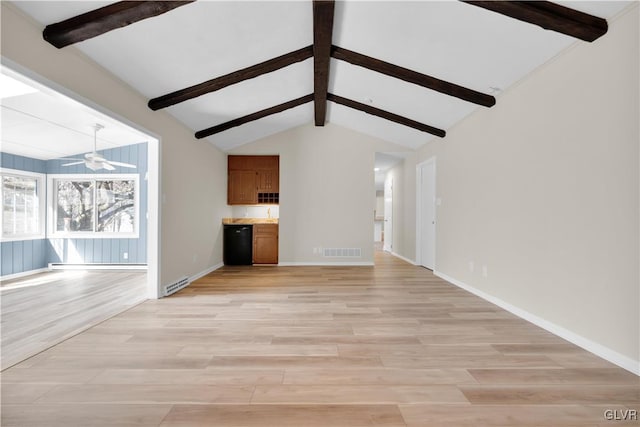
(238, 244)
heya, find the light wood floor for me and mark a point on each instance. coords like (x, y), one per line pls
(44, 309)
(316, 346)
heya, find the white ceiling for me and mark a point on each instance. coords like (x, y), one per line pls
(449, 40)
(45, 124)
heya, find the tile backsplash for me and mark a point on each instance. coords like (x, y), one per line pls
(255, 211)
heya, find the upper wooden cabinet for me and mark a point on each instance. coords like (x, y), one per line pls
(268, 181)
(242, 188)
(253, 179)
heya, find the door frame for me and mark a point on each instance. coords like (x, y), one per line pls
(154, 163)
(420, 225)
(387, 241)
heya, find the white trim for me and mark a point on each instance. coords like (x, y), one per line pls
(419, 224)
(599, 350)
(397, 255)
(205, 272)
(154, 212)
(22, 238)
(52, 233)
(22, 172)
(325, 264)
(62, 266)
(23, 274)
(41, 179)
(387, 225)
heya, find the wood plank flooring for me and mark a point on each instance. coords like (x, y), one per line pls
(44, 309)
(317, 346)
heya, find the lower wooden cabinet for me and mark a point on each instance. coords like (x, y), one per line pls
(265, 243)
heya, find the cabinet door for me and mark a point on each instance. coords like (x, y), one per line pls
(242, 188)
(265, 244)
(268, 181)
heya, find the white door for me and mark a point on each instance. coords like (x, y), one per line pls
(426, 219)
(388, 214)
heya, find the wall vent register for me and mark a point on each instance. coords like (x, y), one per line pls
(176, 286)
(342, 252)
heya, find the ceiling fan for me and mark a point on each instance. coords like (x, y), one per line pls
(95, 161)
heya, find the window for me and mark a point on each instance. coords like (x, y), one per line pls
(22, 205)
(94, 206)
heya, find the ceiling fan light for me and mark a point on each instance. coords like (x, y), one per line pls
(93, 165)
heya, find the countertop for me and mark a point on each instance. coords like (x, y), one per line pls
(249, 220)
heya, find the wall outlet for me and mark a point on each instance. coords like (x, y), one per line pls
(315, 251)
(472, 266)
(485, 271)
(125, 255)
(195, 258)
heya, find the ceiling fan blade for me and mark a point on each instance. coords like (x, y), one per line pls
(124, 165)
(107, 166)
(74, 163)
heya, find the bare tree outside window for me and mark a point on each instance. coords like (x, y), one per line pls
(116, 206)
(20, 206)
(106, 206)
(75, 206)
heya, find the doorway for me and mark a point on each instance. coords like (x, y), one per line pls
(65, 112)
(388, 214)
(426, 214)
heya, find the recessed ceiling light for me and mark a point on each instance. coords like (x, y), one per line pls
(12, 87)
(376, 169)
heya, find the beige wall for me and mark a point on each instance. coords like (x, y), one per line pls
(193, 173)
(543, 189)
(326, 183)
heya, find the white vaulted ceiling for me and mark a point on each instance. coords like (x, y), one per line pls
(450, 40)
(44, 124)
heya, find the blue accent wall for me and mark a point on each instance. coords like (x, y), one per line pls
(105, 251)
(23, 256)
(11, 161)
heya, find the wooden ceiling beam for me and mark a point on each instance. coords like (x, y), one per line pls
(254, 116)
(105, 19)
(231, 78)
(322, 35)
(386, 115)
(414, 77)
(550, 16)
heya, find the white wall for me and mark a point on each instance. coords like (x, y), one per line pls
(404, 207)
(544, 188)
(326, 183)
(193, 173)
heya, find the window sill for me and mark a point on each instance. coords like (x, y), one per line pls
(94, 236)
(23, 238)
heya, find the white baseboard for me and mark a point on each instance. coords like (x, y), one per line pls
(205, 272)
(23, 274)
(59, 266)
(403, 258)
(326, 264)
(599, 350)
